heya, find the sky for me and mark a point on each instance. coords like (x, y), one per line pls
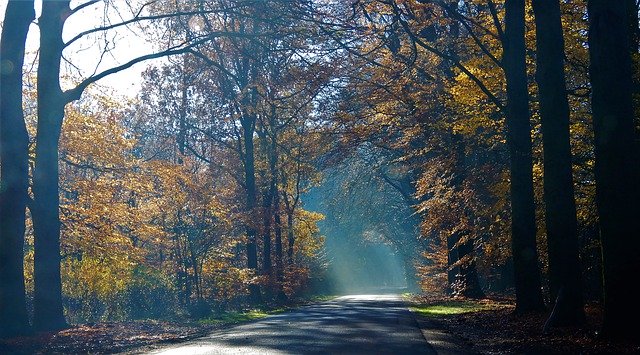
(84, 55)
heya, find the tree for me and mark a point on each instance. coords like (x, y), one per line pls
(617, 165)
(523, 227)
(565, 274)
(48, 311)
(14, 165)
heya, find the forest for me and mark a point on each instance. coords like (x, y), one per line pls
(272, 150)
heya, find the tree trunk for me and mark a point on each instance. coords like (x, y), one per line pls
(14, 173)
(523, 223)
(634, 29)
(266, 233)
(290, 236)
(452, 258)
(48, 312)
(275, 194)
(634, 48)
(562, 230)
(182, 115)
(617, 175)
(248, 126)
(468, 275)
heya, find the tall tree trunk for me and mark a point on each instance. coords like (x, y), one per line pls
(634, 49)
(290, 237)
(193, 257)
(562, 226)
(617, 175)
(14, 173)
(523, 223)
(48, 313)
(634, 29)
(266, 233)
(278, 241)
(267, 206)
(273, 167)
(182, 114)
(248, 126)
(180, 267)
(452, 259)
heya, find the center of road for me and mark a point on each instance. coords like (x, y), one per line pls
(358, 324)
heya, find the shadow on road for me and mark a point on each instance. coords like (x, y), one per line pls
(369, 324)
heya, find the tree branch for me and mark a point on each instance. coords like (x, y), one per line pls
(457, 64)
(82, 6)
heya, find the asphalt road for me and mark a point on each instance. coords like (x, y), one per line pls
(363, 324)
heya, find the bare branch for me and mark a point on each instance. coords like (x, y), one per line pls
(84, 5)
(457, 64)
(136, 18)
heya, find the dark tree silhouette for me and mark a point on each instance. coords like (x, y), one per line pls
(617, 174)
(14, 162)
(523, 225)
(562, 236)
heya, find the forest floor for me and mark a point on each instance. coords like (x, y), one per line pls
(132, 336)
(105, 337)
(489, 327)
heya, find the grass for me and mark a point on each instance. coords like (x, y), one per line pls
(234, 317)
(408, 295)
(450, 308)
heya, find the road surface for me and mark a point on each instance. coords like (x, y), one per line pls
(363, 324)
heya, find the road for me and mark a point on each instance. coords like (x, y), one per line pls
(363, 324)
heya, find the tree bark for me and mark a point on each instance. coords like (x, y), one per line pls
(290, 237)
(616, 168)
(48, 311)
(469, 272)
(523, 224)
(248, 125)
(14, 173)
(273, 167)
(562, 226)
(452, 258)
(266, 233)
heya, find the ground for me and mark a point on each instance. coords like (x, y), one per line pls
(105, 338)
(490, 327)
(485, 326)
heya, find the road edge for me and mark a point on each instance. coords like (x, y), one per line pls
(440, 340)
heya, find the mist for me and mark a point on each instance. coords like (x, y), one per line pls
(370, 229)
